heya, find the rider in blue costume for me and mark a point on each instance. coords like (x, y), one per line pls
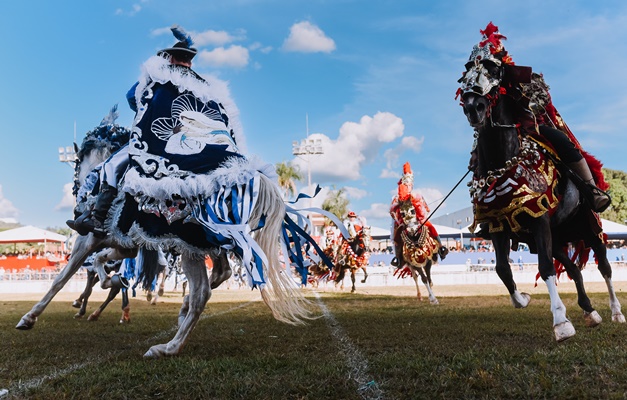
(179, 131)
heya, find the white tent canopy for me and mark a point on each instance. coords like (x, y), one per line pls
(30, 234)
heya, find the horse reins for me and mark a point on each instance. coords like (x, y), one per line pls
(445, 197)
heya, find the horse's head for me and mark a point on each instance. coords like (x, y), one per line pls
(408, 215)
(486, 69)
(365, 237)
(480, 85)
(97, 146)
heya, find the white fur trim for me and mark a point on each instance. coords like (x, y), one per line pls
(234, 171)
(157, 69)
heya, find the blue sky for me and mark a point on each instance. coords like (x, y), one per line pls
(376, 80)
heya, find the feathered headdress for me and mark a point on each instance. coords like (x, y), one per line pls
(183, 49)
(492, 39)
(406, 183)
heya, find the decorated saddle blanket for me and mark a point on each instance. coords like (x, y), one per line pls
(418, 250)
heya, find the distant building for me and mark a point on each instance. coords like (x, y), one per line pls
(459, 219)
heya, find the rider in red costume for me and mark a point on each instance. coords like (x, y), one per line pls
(405, 187)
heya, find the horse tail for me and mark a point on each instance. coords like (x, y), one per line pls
(148, 267)
(280, 293)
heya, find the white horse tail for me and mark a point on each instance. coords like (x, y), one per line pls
(280, 293)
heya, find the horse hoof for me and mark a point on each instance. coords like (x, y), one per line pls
(77, 304)
(125, 321)
(149, 296)
(120, 282)
(592, 319)
(520, 300)
(160, 292)
(620, 318)
(434, 302)
(26, 323)
(564, 331)
(92, 317)
(78, 316)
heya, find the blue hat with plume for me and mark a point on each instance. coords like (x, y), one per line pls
(183, 49)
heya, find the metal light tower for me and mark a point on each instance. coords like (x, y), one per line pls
(67, 154)
(307, 147)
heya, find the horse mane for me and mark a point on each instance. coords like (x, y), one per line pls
(100, 142)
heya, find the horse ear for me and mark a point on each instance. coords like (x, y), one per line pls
(76, 149)
(516, 74)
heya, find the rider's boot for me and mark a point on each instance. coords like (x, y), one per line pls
(398, 261)
(442, 250)
(71, 223)
(597, 199)
(93, 220)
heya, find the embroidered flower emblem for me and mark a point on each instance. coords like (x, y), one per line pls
(193, 126)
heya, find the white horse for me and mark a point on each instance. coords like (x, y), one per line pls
(420, 249)
(279, 291)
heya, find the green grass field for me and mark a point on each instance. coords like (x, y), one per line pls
(374, 346)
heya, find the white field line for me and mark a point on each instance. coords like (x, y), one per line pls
(20, 387)
(367, 387)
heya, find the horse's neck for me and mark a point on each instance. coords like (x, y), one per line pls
(91, 161)
(498, 141)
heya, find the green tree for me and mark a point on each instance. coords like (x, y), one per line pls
(288, 176)
(336, 203)
(618, 191)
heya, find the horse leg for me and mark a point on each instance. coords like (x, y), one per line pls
(353, 271)
(606, 272)
(423, 276)
(562, 327)
(78, 302)
(183, 311)
(84, 246)
(92, 278)
(504, 270)
(126, 308)
(365, 274)
(221, 270)
(110, 254)
(426, 279)
(590, 315)
(199, 294)
(96, 314)
(414, 275)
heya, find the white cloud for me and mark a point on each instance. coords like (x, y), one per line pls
(7, 209)
(214, 38)
(161, 31)
(67, 202)
(357, 144)
(135, 9)
(412, 143)
(355, 193)
(306, 37)
(234, 56)
(258, 46)
(377, 211)
(433, 197)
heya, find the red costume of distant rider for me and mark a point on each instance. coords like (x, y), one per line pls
(405, 186)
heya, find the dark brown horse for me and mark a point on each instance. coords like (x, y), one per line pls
(520, 193)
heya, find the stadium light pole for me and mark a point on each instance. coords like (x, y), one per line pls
(307, 147)
(67, 155)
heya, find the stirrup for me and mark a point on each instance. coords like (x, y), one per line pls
(443, 251)
(394, 262)
(598, 194)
